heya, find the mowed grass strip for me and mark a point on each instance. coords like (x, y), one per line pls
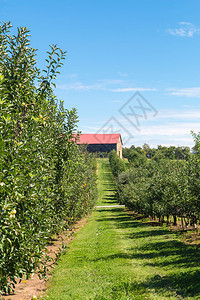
(119, 256)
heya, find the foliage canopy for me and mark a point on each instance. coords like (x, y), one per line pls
(46, 184)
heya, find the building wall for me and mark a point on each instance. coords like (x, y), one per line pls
(101, 147)
(93, 148)
(119, 148)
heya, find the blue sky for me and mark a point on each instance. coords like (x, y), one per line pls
(131, 67)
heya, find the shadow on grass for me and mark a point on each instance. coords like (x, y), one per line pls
(114, 209)
(121, 219)
(183, 260)
(174, 253)
(110, 185)
(123, 223)
(185, 284)
(149, 233)
(113, 197)
(110, 199)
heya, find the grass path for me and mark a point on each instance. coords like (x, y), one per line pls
(118, 256)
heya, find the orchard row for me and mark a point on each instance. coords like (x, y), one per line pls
(46, 183)
(160, 188)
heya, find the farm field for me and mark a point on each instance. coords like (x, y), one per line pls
(119, 255)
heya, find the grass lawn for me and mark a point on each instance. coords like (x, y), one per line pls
(119, 256)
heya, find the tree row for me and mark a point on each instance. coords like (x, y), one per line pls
(46, 183)
(161, 188)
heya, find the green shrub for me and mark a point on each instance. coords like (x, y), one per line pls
(46, 183)
(116, 163)
(162, 188)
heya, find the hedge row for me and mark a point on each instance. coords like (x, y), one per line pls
(46, 183)
(116, 163)
(162, 188)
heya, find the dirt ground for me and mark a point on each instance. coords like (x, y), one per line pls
(26, 289)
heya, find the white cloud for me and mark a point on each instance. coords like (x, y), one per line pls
(116, 101)
(167, 134)
(188, 92)
(154, 140)
(179, 115)
(104, 84)
(134, 89)
(122, 74)
(169, 127)
(73, 75)
(185, 29)
(110, 81)
(79, 86)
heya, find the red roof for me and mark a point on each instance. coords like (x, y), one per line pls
(94, 138)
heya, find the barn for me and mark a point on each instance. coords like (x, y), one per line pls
(100, 143)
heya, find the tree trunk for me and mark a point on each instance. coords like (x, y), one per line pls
(162, 219)
(175, 220)
(195, 223)
(182, 225)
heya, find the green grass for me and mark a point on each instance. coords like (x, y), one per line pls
(116, 256)
(106, 185)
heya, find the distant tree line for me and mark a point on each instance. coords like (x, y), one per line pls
(160, 152)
